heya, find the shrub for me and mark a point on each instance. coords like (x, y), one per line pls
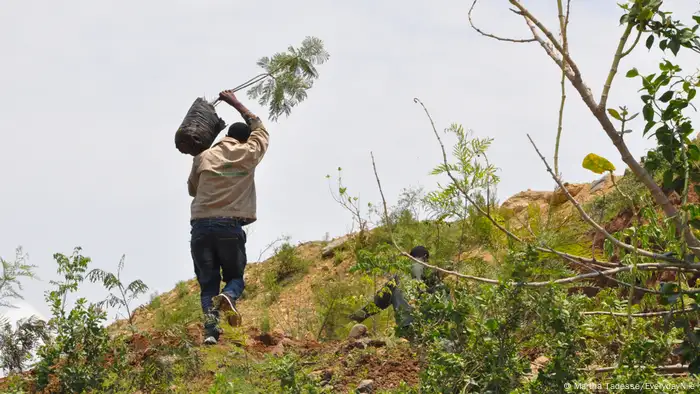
(16, 345)
(76, 358)
(335, 300)
(273, 287)
(187, 310)
(287, 263)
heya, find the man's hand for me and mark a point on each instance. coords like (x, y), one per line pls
(229, 97)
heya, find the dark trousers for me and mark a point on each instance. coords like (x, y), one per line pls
(218, 252)
(391, 294)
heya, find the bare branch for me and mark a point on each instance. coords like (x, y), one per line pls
(471, 23)
(271, 245)
(634, 44)
(550, 51)
(641, 315)
(488, 216)
(531, 20)
(649, 266)
(587, 96)
(560, 122)
(599, 112)
(381, 192)
(664, 369)
(634, 287)
(591, 267)
(596, 226)
(619, 54)
(564, 23)
(457, 183)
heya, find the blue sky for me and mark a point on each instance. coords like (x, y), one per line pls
(92, 93)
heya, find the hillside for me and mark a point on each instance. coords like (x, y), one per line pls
(296, 336)
(281, 324)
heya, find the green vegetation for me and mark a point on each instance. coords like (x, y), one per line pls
(287, 264)
(12, 274)
(127, 293)
(287, 77)
(580, 287)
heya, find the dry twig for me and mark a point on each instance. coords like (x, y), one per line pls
(572, 279)
(642, 315)
(593, 223)
(553, 50)
(471, 23)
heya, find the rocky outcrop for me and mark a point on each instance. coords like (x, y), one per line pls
(582, 192)
(522, 200)
(559, 197)
(329, 250)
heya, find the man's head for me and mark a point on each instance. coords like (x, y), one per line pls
(239, 131)
(420, 252)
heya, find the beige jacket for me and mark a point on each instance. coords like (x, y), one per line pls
(222, 180)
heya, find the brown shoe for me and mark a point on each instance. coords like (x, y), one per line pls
(227, 307)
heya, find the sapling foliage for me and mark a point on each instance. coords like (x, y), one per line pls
(287, 77)
(17, 343)
(127, 292)
(12, 273)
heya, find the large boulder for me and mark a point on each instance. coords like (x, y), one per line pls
(559, 196)
(522, 200)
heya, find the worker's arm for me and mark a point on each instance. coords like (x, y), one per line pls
(259, 138)
(193, 179)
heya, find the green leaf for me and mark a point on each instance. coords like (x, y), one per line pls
(632, 73)
(669, 113)
(649, 125)
(685, 129)
(674, 45)
(648, 113)
(666, 97)
(492, 324)
(693, 152)
(669, 154)
(292, 75)
(668, 179)
(691, 94)
(614, 113)
(597, 164)
(650, 41)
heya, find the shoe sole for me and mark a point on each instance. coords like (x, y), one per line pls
(223, 304)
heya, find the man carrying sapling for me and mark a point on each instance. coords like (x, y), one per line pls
(222, 182)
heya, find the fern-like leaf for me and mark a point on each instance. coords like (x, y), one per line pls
(136, 288)
(291, 75)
